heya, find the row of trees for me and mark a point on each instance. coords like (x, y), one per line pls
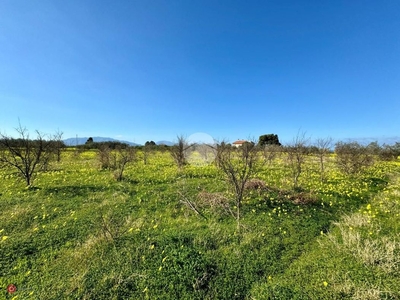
(28, 155)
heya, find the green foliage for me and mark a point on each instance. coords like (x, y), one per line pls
(151, 143)
(90, 144)
(268, 139)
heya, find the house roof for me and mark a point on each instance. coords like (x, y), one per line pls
(239, 142)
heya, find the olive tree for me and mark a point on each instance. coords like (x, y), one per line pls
(25, 155)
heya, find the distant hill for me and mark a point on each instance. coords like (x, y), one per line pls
(167, 143)
(381, 140)
(96, 139)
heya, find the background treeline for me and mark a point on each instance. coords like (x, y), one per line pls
(27, 156)
(384, 152)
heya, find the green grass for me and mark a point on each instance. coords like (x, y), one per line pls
(80, 234)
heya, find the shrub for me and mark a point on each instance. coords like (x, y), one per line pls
(352, 158)
(388, 153)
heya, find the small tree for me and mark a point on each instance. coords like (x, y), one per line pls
(374, 148)
(25, 155)
(122, 157)
(116, 159)
(238, 165)
(147, 149)
(104, 156)
(296, 155)
(271, 152)
(178, 151)
(323, 148)
(352, 158)
(219, 149)
(388, 152)
(58, 144)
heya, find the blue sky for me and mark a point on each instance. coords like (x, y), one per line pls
(152, 70)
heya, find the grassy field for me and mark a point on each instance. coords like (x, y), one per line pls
(80, 234)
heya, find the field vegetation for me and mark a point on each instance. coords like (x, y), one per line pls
(274, 222)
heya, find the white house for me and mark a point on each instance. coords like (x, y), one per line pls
(238, 143)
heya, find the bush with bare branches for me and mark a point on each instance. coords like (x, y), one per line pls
(25, 155)
(352, 158)
(214, 202)
(296, 156)
(178, 151)
(238, 165)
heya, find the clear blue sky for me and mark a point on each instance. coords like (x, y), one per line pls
(143, 70)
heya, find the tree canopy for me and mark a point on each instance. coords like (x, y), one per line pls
(269, 139)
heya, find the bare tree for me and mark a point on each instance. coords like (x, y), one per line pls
(58, 144)
(388, 152)
(271, 151)
(207, 152)
(323, 149)
(218, 149)
(238, 165)
(104, 156)
(352, 158)
(25, 155)
(178, 151)
(122, 157)
(296, 155)
(116, 159)
(148, 148)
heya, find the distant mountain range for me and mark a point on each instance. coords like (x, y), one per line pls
(96, 139)
(380, 140)
(167, 143)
